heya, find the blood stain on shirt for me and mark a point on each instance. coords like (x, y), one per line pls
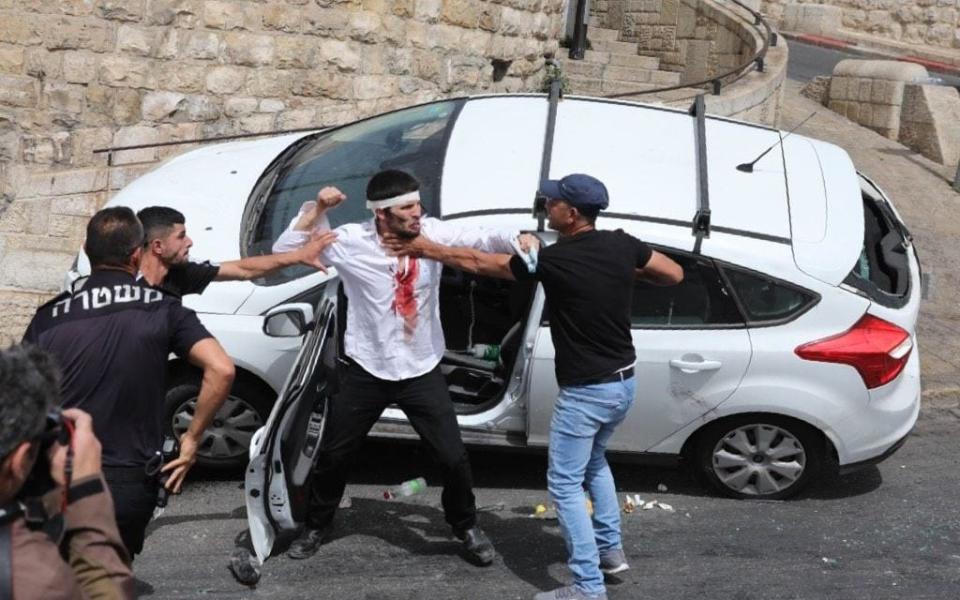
(404, 294)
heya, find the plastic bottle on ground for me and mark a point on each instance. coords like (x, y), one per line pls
(407, 488)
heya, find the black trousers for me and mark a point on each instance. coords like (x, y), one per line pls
(351, 413)
(134, 498)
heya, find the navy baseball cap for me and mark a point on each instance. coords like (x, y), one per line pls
(579, 190)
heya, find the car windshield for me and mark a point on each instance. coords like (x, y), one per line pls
(412, 140)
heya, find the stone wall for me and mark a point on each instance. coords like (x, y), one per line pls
(697, 38)
(919, 22)
(76, 75)
(885, 96)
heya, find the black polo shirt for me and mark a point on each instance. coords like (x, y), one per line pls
(588, 279)
(111, 340)
(189, 278)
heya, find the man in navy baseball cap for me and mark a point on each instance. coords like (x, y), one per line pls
(578, 190)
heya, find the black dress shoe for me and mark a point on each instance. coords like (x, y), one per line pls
(477, 546)
(308, 543)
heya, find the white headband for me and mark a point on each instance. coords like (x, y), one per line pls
(413, 196)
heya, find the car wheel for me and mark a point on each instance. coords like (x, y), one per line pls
(226, 441)
(763, 456)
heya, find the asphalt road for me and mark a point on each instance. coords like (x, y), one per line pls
(890, 531)
(808, 61)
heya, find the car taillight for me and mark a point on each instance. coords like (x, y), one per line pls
(877, 349)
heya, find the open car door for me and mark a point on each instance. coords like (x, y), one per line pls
(283, 451)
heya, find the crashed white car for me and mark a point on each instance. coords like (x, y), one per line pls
(789, 347)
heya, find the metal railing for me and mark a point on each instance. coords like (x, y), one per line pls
(716, 82)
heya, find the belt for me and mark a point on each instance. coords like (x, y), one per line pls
(621, 375)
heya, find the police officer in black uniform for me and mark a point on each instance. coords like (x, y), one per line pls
(111, 340)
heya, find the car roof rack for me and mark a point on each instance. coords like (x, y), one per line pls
(539, 200)
(701, 219)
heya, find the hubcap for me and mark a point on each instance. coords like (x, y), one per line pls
(759, 459)
(229, 435)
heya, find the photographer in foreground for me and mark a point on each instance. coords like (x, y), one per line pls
(73, 549)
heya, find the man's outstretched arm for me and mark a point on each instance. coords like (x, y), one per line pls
(258, 266)
(465, 259)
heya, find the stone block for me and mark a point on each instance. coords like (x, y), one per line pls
(26, 31)
(11, 59)
(887, 92)
(79, 67)
(489, 19)
(343, 55)
(88, 139)
(462, 13)
(77, 33)
(83, 205)
(224, 15)
(202, 45)
(365, 27)
(132, 136)
(82, 181)
(370, 87)
(158, 106)
(225, 80)
(181, 13)
(266, 82)
(65, 97)
(428, 10)
(136, 40)
(281, 17)
(168, 44)
(324, 84)
(295, 52)
(240, 107)
(125, 106)
(202, 108)
(247, 49)
(297, 119)
(121, 10)
(180, 77)
(119, 71)
(865, 91)
(271, 105)
(33, 269)
(18, 91)
(42, 63)
(930, 122)
(326, 22)
(257, 123)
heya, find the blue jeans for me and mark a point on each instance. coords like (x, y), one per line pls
(583, 421)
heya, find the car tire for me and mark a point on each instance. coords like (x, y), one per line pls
(763, 457)
(225, 444)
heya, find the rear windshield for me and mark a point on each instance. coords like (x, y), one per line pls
(882, 270)
(411, 140)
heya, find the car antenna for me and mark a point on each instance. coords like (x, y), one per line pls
(748, 167)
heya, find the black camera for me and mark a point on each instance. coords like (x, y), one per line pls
(56, 429)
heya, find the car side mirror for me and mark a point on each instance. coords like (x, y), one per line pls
(288, 320)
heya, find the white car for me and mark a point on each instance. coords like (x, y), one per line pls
(788, 348)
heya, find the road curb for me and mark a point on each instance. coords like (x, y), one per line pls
(870, 52)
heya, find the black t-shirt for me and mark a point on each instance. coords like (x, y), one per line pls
(111, 341)
(189, 278)
(588, 279)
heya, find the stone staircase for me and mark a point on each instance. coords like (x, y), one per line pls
(613, 67)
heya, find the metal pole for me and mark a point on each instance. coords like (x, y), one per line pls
(956, 179)
(579, 45)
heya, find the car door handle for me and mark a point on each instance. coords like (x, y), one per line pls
(691, 366)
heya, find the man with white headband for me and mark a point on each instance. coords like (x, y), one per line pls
(393, 343)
